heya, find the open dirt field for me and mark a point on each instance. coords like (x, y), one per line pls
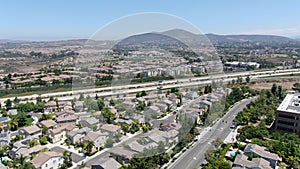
(286, 84)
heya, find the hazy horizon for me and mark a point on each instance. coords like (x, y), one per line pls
(61, 20)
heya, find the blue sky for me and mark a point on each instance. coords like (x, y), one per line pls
(64, 19)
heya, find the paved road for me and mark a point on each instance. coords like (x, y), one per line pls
(194, 157)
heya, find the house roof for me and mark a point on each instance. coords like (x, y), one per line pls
(69, 112)
(259, 150)
(92, 136)
(66, 127)
(206, 102)
(79, 131)
(154, 108)
(90, 120)
(110, 128)
(66, 118)
(43, 157)
(122, 152)
(51, 103)
(27, 152)
(242, 160)
(171, 125)
(157, 137)
(48, 123)
(135, 146)
(31, 129)
(170, 134)
(109, 163)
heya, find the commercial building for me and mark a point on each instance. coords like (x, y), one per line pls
(288, 114)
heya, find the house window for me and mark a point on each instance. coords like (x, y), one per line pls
(46, 165)
(54, 161)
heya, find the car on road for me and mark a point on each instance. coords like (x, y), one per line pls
(233, 125)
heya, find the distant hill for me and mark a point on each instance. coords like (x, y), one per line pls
(148, 41)
(248, 38)
(214, 38)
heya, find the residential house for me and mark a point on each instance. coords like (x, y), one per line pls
(17, 146)
(110, 128)
(50, 124)
(169, 103)
(47, 160)
(30, 151)
(66, 119)
(162, 107)
(157, 137)
(122, 153)
(88, 121)
(261, 152)
(170, 126)
(4, 138)
(30, 131)
(241, 161)
(65, 105)
(50, 106)
(191, 95)
(78, 135)
(152, 110)
(171, 136)
(98, 138)
(137, 147)
(212, 98)
(103, 163)
(205, 104)
(59, 134)
(65, 113)
(78, 106)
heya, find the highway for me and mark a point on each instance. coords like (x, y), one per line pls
(194, 157)
(150, 86)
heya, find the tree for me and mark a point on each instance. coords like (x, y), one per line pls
(100, 104)
(274, 89)
(43, 140)
(111, 102)
(143, 93)
(88, 147)
(248, 79)
(239, 80)
(217, 142)
(207, 89)
(108, 115)
(33, 143)
(81, 97)
(8, 104)
(67, 160)
(38, 99)
(109, 143)
(44, 130)
(13, 124)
